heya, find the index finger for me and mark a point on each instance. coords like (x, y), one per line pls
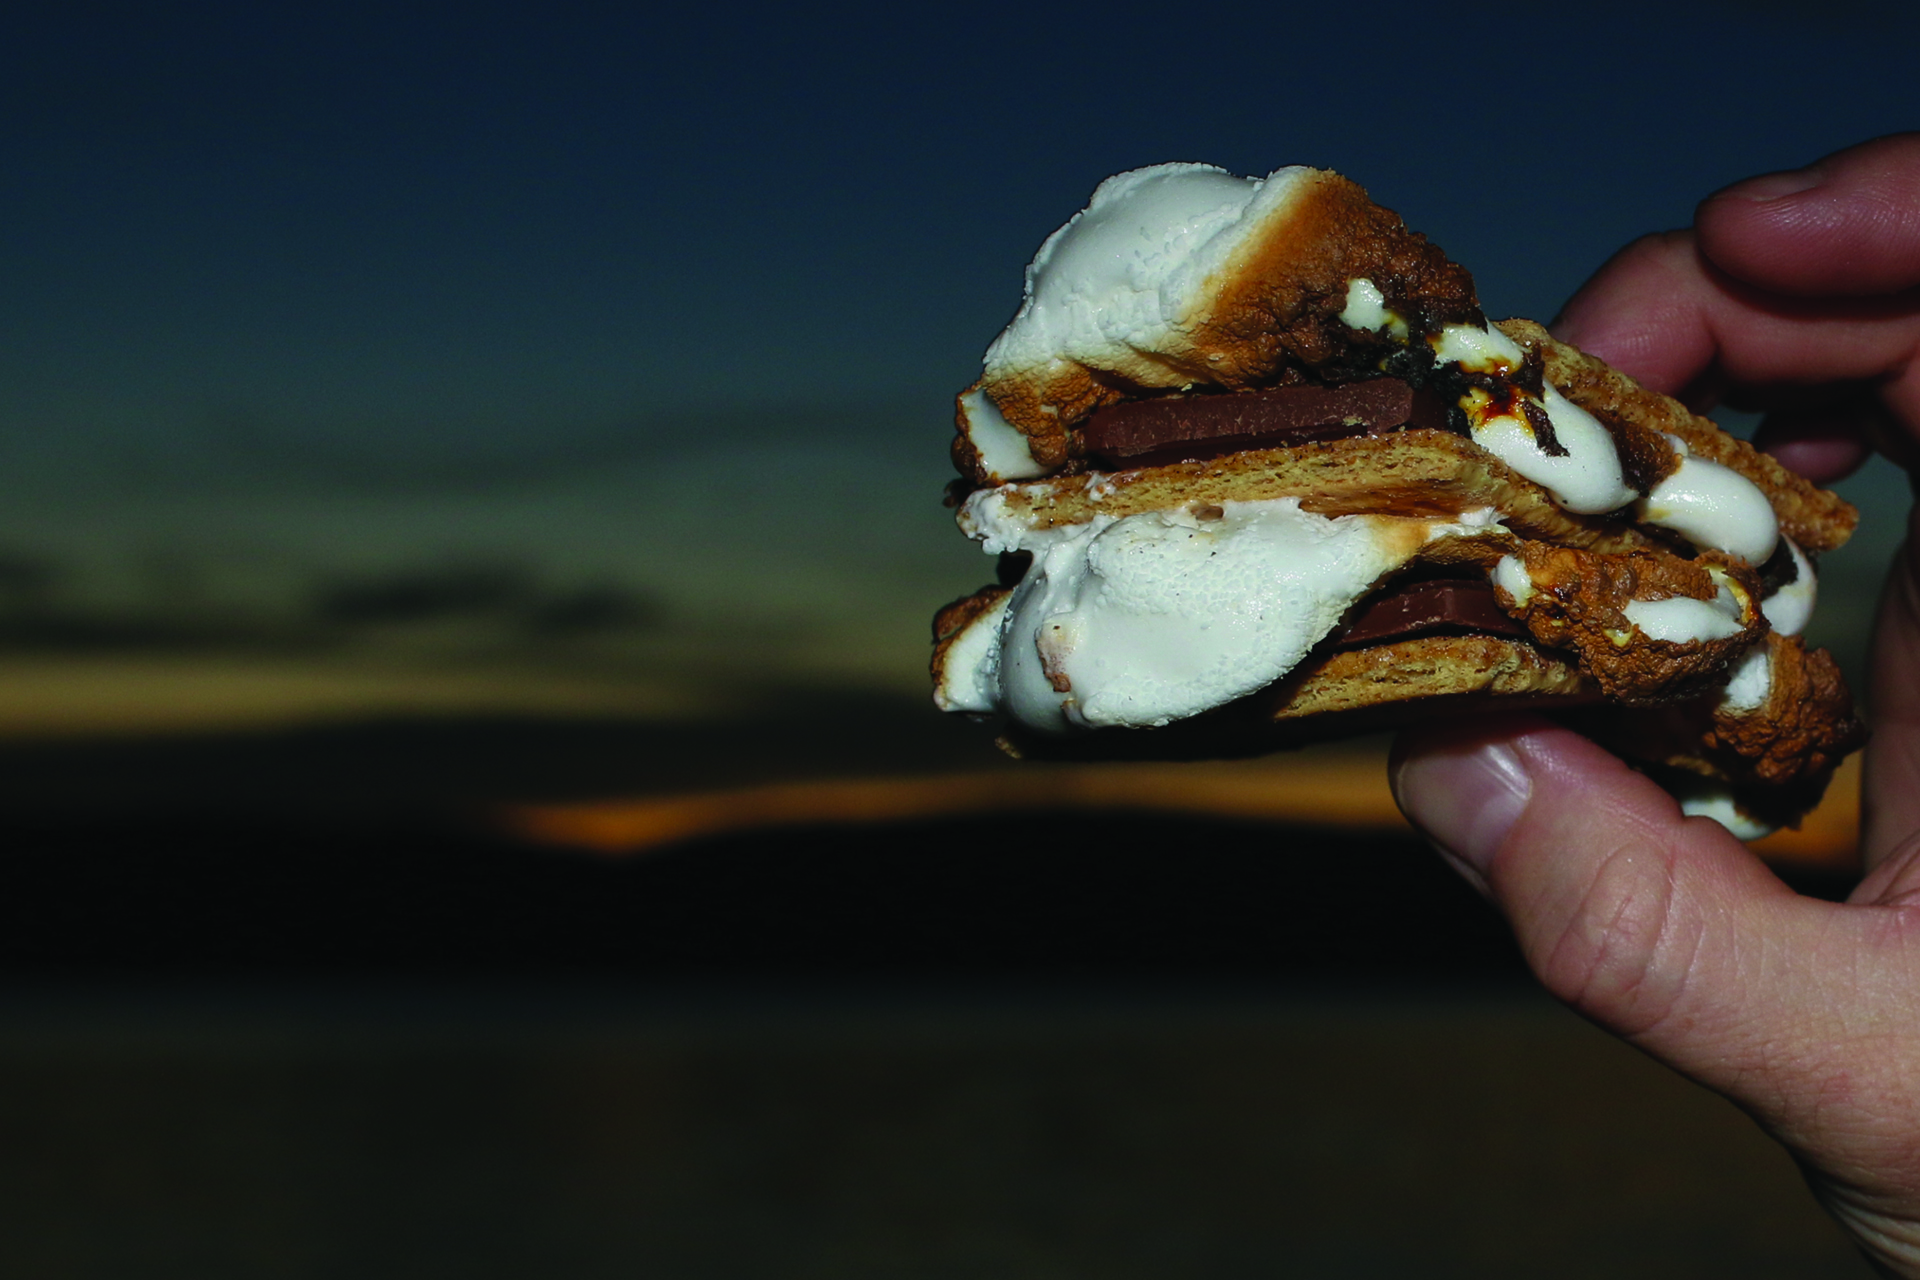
(1790, 280)
(1661, 311)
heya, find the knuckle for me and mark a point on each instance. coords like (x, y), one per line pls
(1619, 957)
(1659, 251)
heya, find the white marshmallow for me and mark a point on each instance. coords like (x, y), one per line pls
(1367, 309)
(1713, 507)
(1751, 682)
(969, 675)
(1478, 350)
(1511, 576)
(1682, 619)
(1707, 799)
(1003, 450)
(1159, 616)
(1790, 608)
(1587, 479)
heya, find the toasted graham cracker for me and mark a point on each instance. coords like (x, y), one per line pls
(1427, 667)
(1811, 516)
(1408, 473)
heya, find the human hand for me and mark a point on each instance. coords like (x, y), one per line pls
(1799, 293)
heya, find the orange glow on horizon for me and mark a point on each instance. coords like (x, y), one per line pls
(1340, 791)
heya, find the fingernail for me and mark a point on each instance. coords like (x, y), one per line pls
(1465, 798)
(1772, 186)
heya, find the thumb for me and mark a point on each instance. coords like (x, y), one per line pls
(1660, 927)
(1665, 930)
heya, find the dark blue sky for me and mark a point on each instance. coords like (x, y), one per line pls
(439, 230)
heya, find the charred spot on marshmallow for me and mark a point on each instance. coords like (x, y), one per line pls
(1543, 432)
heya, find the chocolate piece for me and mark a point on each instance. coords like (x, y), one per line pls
(1452, 604)
(1254, 419)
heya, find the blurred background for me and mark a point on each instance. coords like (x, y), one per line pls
(471, 519)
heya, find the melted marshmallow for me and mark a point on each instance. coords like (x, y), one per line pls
(1751, 682)
(1713, 507)
(1790, 608)
(1705, 799)
(1478, 350)
(1511, 576)
(1586, 479)
(1158, 616)
(1367, 309)
(968, 677)
(1682, 619)
(1003, 450)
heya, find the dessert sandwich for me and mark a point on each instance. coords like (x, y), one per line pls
(1258, 470)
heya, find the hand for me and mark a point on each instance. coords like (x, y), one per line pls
(1800, 293)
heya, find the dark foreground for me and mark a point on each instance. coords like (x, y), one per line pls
(297, 1038)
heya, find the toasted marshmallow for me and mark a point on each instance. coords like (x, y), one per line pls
(1004, 454)
(968, 675)
(1160, 592)
(1122, 281)
(1128, 289)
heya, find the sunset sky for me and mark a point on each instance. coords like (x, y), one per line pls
(676, 305)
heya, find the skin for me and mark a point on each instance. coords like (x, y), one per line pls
(1798, 293)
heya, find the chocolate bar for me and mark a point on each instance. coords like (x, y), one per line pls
(1452, 604)
(1137, 430)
